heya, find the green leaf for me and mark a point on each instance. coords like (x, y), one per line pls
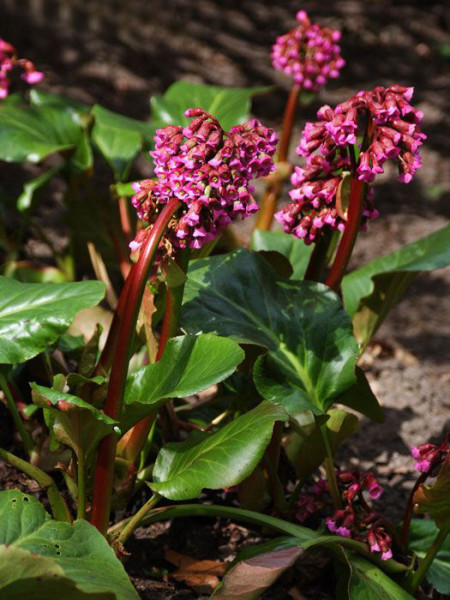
(368, 582)
(230, 106)
(75, 423)
(217, 461)
(370, 292)
(256, 568)
(311, 349)
(29, 134)
(435, 499)
(39, 98)
(423, 532)
(118, 138)
(33, 315)
(35, 550)
(361, 398)
(83, 158)
(307, 453)
(295, 250)
(189, 364)
(30, 189)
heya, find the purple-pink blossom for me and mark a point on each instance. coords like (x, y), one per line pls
(310, 54)
(354, 139)
(10, 61)
(380, 541)
(209, 171)
(429, 455)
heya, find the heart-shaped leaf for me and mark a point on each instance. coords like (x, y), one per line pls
(29, 134)
(295, 250)
(370, 292)
(189, 364)
(256, 568)
(423, 532)
(311, 349)
(230, 106)
(35, 550)
(215, 461)
(33, 315)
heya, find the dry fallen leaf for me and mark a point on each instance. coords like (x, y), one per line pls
(200, 575)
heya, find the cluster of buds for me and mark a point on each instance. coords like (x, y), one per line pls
(312, 501)
(310, 54)
(353, 140)
(428, 456)
(9, 61)
(209, 172)
(356, 519)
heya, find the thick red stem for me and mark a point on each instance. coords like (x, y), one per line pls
(355, 211)
(134, 442)
(270, 200)
(104, 474)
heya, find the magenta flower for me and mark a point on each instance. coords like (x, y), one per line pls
(429, 455)
(8, 62)
(380, 541)
(309, 54)
(341, 522)
(209, 172)
(357, 137)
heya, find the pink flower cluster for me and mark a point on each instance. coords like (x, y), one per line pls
(209, 172)
(8, 61)
(356, 138)
(428, 456)
(356, 519)
(309, 54)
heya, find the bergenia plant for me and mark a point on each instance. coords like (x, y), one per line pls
(156, 365)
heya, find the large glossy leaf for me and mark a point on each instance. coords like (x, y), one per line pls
(295, 250)
(119, 138)
(189, 364)
(76, 423)
(426, 254)
(368, 582)
(230, 106)
(370, 292)
(29, 134)
(33, 315)
(311, 349)
(40, 98)
(423, 532)
(216, 461)
(435, 499)
(256, 568)
(35, 549)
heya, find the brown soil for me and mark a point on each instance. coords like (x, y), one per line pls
(118, 54)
